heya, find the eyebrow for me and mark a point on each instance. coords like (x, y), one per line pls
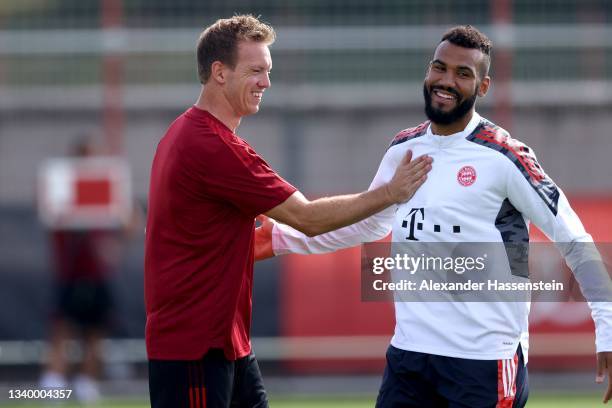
(259, 66)
(437, 61)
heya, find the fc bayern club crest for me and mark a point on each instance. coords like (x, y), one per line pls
(466, 176)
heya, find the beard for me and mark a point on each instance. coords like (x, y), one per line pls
(441, 117)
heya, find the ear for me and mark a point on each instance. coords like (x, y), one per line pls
(218, 72)
(483, 88)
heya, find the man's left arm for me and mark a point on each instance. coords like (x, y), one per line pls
(273, 239)
(540, 200)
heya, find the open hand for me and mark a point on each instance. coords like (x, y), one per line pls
(263, 238)
(409, 176)
(604, 369)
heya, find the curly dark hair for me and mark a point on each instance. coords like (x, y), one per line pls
(219, 42)
(467, 36)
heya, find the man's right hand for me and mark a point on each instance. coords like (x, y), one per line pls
(408, 177)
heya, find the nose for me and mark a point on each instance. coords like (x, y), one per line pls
(446, 79)
(265, 82)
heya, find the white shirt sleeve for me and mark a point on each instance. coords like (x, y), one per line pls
(542, 202)
(287, 240)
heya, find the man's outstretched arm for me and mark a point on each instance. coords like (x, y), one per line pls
(541, 201)
(330, 213)
(277, 239)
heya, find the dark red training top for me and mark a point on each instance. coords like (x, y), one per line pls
(207, 186)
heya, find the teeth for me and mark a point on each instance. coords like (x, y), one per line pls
(257, 94)
(444, 95)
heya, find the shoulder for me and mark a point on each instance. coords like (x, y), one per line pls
(196, 144)
(410, 133)
(490, 135)
(202, 137)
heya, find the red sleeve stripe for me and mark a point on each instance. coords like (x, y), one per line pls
(491, 136)
(410, 133)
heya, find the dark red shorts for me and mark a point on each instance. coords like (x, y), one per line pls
(211, 382)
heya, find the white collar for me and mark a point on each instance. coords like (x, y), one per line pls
(472, 124)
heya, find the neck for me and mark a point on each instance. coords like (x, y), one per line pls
(452, 128)
(218, 106)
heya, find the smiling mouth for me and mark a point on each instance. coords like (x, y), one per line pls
(257, 95)
(449, 96)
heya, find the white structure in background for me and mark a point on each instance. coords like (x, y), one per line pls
(91, 193)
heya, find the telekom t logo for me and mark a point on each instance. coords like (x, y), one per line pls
(416, 218)
(413, 222)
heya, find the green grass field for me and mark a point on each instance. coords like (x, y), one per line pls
(540, 401)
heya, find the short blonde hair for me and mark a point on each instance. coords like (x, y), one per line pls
(219, 41)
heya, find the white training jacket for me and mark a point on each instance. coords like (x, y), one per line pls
(484, 186)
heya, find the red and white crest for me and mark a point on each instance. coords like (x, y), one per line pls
(466, 176)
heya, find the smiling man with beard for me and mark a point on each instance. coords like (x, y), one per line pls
(486, 187)
(457, 75)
